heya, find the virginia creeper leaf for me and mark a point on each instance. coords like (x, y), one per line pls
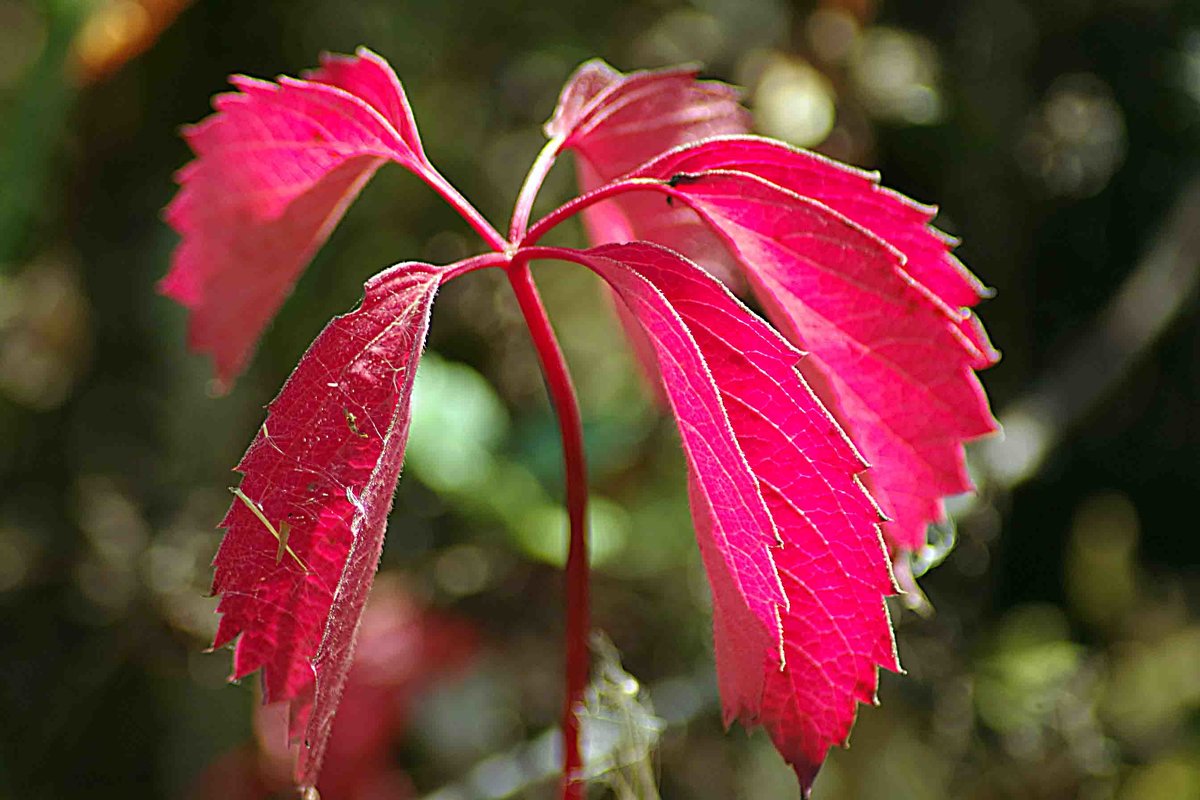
(276, 168)
(734, 526)
(857, 195)
(321, 472)
(754, 432)
(890, 359)
(617, 122)
(614, 123)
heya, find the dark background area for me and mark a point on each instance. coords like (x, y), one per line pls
(1061, 140)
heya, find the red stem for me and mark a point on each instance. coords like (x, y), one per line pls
(468, 212)
(482, 261)
(577, 204)
(529, 189)
(566, 406)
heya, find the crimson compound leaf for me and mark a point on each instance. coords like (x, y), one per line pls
(793, 544)
(276, 168)
(304, 533)
(758, 440)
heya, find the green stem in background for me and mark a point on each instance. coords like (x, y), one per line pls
(566, 407)
(31, 135)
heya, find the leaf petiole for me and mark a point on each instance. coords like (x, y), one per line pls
(436, 181)
(529, 189)
(577, 204)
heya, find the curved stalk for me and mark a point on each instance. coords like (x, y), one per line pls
(468, 212)
(529, 189)
(577, 204)
(566, 407)
(482, 261)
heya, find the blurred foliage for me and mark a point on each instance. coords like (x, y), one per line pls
(1062, 658)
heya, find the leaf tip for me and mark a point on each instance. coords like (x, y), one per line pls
(364, 52)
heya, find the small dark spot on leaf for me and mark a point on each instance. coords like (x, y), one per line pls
(681, 178)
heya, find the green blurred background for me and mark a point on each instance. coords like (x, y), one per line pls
(1061, 139)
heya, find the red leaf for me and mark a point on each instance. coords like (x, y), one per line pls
(890, 358)
(325, 465)
(857, 195)
(276, 167)
(757, 439)
(616, 122)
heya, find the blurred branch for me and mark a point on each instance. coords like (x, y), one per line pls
(505, 774)
(117, 31)
(1157, 291)
(87, 41)
(36, 120)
